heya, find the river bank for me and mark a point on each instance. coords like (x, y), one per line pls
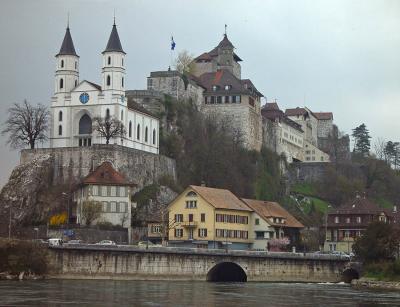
(372, 284)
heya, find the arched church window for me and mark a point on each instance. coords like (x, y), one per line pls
(138, 132)
(146, 132)
(61, 83)
(60, 115)
(76, 64)
(109, 60)
(59, 130)
(122, 81)
(107, 113)
(122, 62)
(76, 83)
(62, 63)
(130, 129)
(85, 124)
(154, 136)
(108, 80)
(122, 115)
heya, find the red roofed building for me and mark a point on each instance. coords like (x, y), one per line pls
(348, 222)
(111, 190)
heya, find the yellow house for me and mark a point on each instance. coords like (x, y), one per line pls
(209, 218)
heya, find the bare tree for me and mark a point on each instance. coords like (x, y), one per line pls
(26, 124)
(379, 147)
(91, 210)
(109, 127)
(184, 62)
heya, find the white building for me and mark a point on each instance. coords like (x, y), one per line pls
(76, 103)
(109, 188)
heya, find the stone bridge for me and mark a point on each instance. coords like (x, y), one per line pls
(123, 262)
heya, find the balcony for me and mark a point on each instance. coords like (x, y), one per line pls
(188, 224)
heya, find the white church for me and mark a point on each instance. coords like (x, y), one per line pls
(76, 103)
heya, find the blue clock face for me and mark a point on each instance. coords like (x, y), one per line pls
(84, 98)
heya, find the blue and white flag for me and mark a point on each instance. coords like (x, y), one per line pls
(172, 43)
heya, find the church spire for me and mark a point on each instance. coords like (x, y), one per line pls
(114, 44)
(67, 47)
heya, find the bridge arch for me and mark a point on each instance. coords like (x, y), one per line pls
(349, 274)
(225, 272)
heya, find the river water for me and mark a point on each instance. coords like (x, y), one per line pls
(181, 293)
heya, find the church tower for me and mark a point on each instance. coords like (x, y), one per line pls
(113, 72)
(67, 66)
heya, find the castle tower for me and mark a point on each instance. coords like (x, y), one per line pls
(67, 66)
(225, 54)
(113, 72)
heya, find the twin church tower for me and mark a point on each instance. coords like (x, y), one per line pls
(76, 103)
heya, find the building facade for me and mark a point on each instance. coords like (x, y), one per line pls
(274, 229)
(75, 104)
(209, 218)
(108, 188)
(281, 134)
(348, 222)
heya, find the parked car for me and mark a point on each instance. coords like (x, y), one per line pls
(106, 242)
(55, 242)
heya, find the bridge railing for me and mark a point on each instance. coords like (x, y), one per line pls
(200, 251)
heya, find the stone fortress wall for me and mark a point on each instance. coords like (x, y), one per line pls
(70, 164)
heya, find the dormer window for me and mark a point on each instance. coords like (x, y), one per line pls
(109, 60)
(215, 88)
(228, 87)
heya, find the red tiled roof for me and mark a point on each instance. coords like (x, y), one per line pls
(295, 112)
(224, 77)
(323, 115)
(268, 209)
(358, 205)
(106, 174)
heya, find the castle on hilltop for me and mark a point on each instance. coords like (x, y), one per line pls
(76, 103)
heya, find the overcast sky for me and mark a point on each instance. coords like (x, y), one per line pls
(339, 56)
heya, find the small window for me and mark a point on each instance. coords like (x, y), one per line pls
(146, 132)
(203, 217)
(76, 83)
(257, 221)
(62, 63)
(122, 62)
(154, 136)
(130, 129)
(59, 130)
(107, 113)
(138, 132)
(227, 87)
(122, 81)
(76, 65)
(336, 219)
(109, 60)
(60, 116)
(61, 83)
(215, 88)
(108, 80)
(347, 220)
(122, 115)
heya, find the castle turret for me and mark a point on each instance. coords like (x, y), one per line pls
(113, 72)
(225, 54)
(67, 66)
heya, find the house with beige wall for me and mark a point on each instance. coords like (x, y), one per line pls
(112, 190)
(206, 217)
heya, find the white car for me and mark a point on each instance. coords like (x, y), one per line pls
(106, 242)
(55, 242)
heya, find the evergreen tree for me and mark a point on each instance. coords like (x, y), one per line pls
(362, 142)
